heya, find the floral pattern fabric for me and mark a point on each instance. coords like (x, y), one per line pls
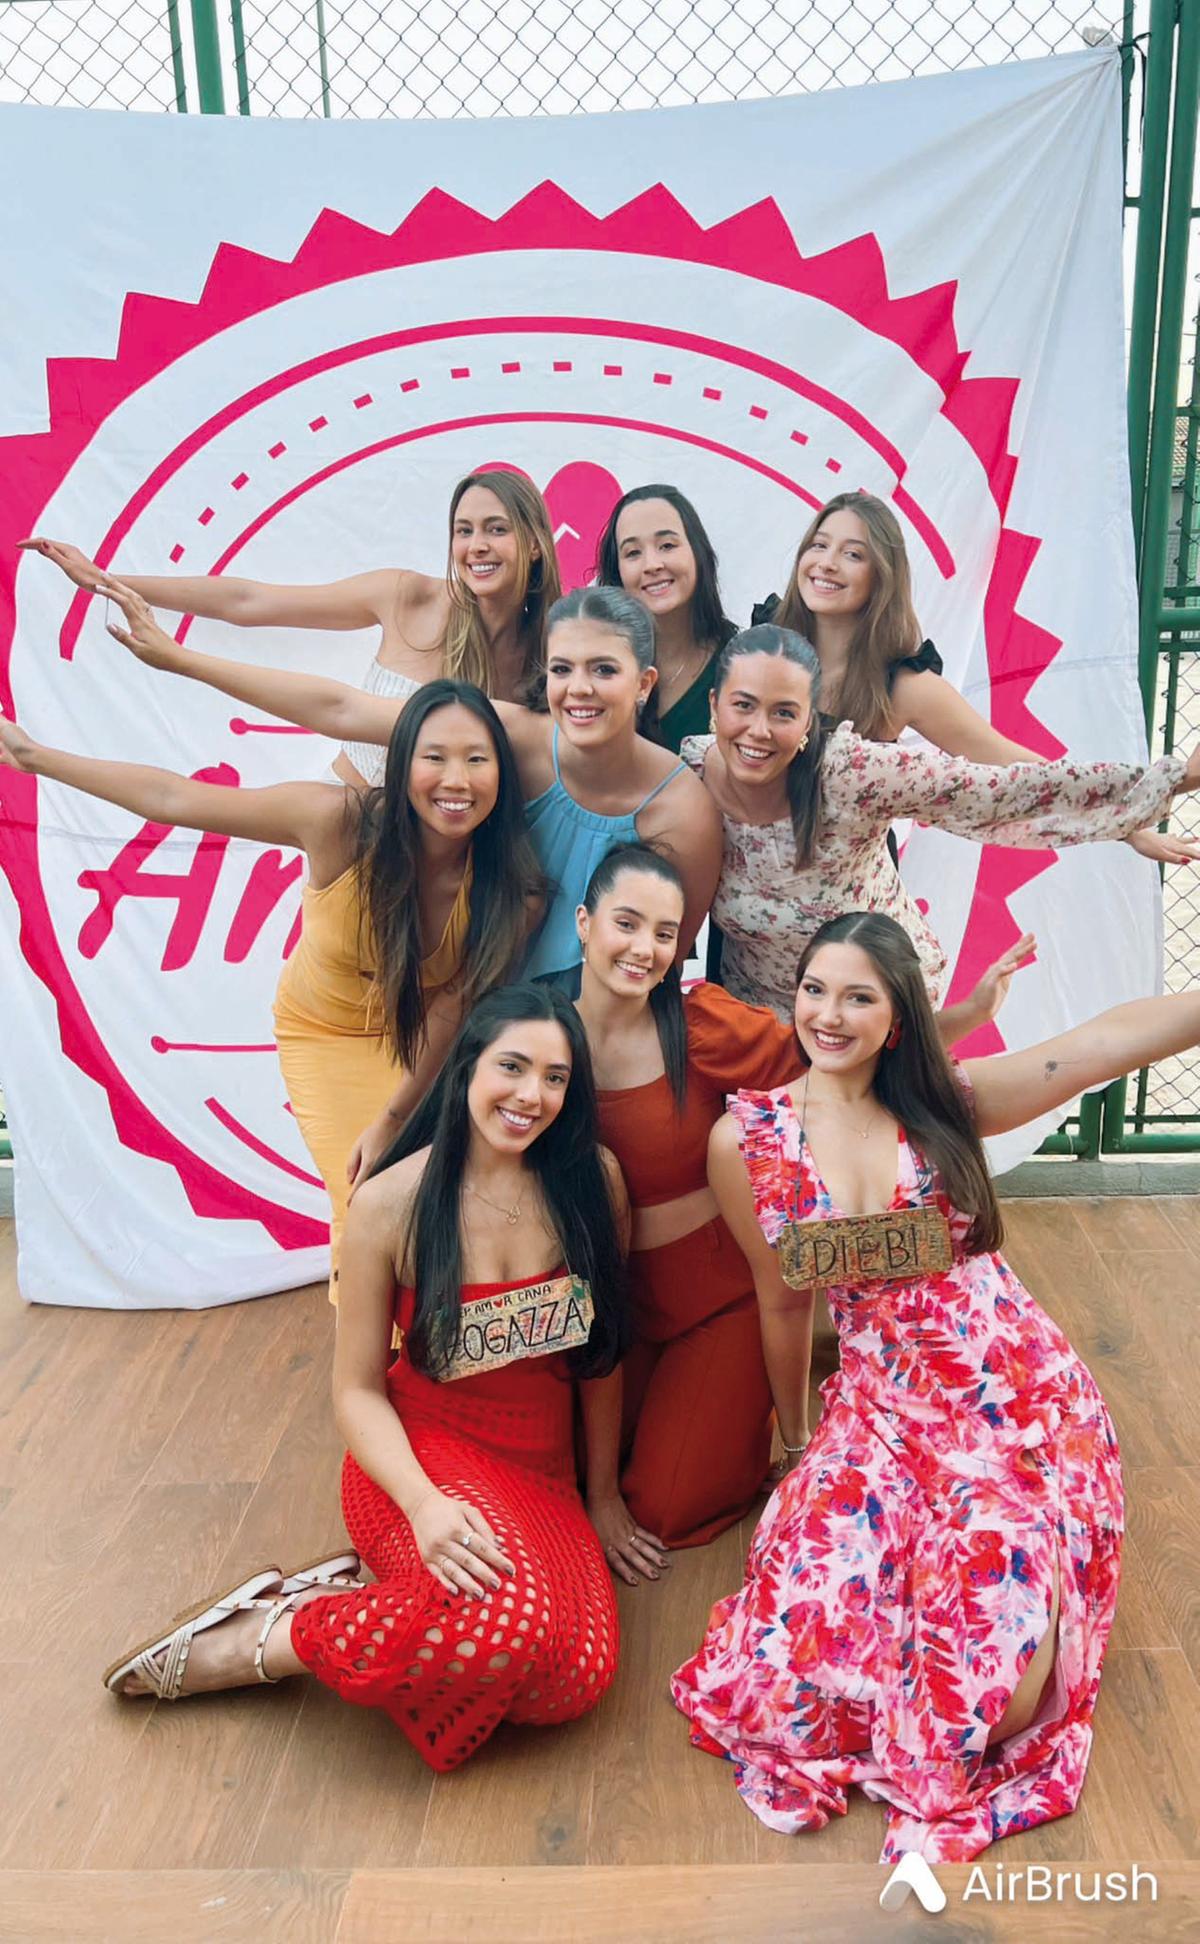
(768, 908)
(903, 1574)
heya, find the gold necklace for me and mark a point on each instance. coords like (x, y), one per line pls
(511, 1214)
(864, 1133)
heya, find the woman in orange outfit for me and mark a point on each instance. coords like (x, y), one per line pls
(692, 1447)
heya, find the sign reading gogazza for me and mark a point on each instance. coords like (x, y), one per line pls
(525, 1322)
(904, 1242)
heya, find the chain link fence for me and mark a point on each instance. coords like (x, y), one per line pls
(515, 57)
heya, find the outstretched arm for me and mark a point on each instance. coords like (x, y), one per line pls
(299, 815)
(785, 1314)
(929, 704)
(1013, 1088)
(933, 707)
(359, 601)
(1022, 805)
(334, 709)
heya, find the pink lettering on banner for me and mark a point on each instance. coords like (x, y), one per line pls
(209, 480)
(128, 877)
(268, 881)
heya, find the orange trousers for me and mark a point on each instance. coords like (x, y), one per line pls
(697, 1410)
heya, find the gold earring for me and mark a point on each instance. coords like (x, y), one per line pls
(712, 722)
(803, 742)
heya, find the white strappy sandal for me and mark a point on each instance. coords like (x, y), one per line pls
(162, 1662)
(340, 1573)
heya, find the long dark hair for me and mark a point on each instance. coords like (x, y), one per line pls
(564, 1162)
(887, 629)
(389, 859)
(804, 770)
(666, 998)
(710, 623)
(914, 1079)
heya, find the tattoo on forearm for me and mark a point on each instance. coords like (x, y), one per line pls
(1050, 1068)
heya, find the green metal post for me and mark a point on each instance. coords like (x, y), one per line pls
(1156, 121)
(326, 106)
(1170, 343)
(1126, 84)
(207, 43)
(177, 56)
(239, 57)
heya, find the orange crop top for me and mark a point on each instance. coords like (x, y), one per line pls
(663, 1151)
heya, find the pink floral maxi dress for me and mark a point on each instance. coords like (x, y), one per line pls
(903, 1574)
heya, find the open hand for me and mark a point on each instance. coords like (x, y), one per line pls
(987, 997)
(458, 1545)
(17, 750)
(1162, 848)
(142, 634)
(631, 1552)
(75, 565)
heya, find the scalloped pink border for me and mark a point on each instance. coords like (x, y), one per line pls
(756, 242)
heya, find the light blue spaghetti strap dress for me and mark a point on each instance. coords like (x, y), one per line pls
(570, 841)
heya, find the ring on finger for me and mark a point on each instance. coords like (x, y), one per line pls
(466, 1539)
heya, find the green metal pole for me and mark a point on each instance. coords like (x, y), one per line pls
(326, 108)
(177, 56)
(207, 44)
(239, 57)
(1156, 121)
(1126, 83)
(1170, 343)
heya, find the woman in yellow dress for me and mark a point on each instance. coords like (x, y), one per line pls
(418, 901)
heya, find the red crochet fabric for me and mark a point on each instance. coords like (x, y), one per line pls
(448, 1668)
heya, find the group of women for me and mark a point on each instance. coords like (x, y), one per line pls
(600, 1281)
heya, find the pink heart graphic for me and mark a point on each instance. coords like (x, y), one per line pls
(580, 498)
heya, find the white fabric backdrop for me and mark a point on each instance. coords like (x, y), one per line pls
(272, 347)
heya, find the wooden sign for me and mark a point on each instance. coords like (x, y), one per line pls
(894, 1247)
(532, 1321)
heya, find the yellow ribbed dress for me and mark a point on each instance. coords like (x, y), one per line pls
(337, 1064)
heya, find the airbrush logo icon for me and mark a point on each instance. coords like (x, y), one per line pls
(912, 1877)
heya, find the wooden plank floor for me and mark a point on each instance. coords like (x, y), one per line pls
(146, 1458)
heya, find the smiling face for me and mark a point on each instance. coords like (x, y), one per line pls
(484, 548)
(519, 1084)
(844, 1012)
(834, 575)
(454, 779)
(631, 938)
(654, 555)
(593, 682)
(762, 717)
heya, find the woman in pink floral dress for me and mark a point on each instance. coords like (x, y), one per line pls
(806, 812)
(930, 1590)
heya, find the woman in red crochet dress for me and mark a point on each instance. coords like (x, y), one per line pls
(493, 1236)
(930, 1591)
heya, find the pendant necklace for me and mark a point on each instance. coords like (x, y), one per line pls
(511, 1214)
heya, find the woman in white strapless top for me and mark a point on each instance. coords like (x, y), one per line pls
(483, 622)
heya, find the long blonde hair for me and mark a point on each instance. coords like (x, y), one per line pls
(887, 628)
(465, 656)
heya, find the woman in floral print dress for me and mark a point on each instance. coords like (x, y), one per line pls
(929, 1594)
(806, 812)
